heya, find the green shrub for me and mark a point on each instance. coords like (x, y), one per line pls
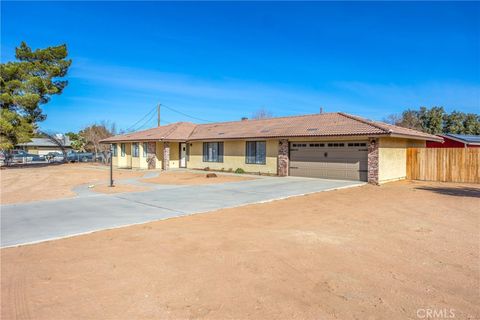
(239, 170)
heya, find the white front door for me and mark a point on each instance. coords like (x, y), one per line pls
(183, 155)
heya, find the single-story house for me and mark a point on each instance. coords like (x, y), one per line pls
(326, 145)
(43, 146)
(456, 141)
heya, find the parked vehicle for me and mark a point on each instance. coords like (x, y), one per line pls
(54, 157)
(21, 156)
(3, 158)
(73, 156)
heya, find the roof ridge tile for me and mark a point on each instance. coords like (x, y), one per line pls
(366, 121)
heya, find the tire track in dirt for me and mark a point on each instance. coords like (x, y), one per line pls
(17, 294)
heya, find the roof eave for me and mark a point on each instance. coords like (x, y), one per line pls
(414, 137)
(130, 140)
(460, 140)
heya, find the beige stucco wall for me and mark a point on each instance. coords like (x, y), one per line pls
(44, 150)
(139, 162)
(159, 153)
(234, 157)
(115, 159)
(125, 161)
(143, 160)
(33, 150)
(174, 155)
(135, 162)
(392, 157)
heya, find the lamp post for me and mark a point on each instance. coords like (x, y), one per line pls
(111, 165)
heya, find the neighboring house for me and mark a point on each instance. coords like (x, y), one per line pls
(43, 146)
(327, 145)
(456, 141)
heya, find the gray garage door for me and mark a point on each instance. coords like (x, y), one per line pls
(329, 160)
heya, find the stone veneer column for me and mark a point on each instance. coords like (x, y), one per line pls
(283, 160)
(166, 156)
(373, 161)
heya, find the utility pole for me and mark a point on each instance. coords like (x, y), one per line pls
(158, 115)
(111, 165)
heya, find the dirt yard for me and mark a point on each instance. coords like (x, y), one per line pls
(389, 252)
(189, 178)
(26, 184)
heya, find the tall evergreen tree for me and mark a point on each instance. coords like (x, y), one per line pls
(436, 121)
(432, 119)
(25, 85)
(454, 122)
(471, 124)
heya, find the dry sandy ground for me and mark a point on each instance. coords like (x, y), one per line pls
(188, 178)
(26, 184)
(361, 253)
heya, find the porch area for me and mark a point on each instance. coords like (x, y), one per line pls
(150, 155)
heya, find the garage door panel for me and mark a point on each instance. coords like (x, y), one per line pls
(348, 163)
(329, 170)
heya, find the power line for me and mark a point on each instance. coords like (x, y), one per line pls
(151, 122)
(186, 115)
(146, 115)
(146, 122)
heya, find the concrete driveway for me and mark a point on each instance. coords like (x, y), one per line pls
(47, 220)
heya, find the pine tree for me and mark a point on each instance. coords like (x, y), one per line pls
(25, 85)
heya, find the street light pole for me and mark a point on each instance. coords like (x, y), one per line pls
(111, 165)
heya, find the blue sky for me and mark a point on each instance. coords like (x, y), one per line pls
(221, 61)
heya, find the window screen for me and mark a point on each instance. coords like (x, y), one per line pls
(256, 152)
(213, 151)
(135, 151)
(145, 146)
(122, 147)
(114, 151)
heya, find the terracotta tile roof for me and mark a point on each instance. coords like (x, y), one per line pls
(174, 131)
(396, 130)
(314, 125)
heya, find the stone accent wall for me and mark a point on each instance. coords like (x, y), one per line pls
(166, 156)
(373, 161)
(283, 160)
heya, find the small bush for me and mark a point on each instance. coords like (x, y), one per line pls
(239, 170)
(206, 168)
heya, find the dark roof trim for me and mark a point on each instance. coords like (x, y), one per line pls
(458, 139)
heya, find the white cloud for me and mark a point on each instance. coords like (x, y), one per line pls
(224, 98)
